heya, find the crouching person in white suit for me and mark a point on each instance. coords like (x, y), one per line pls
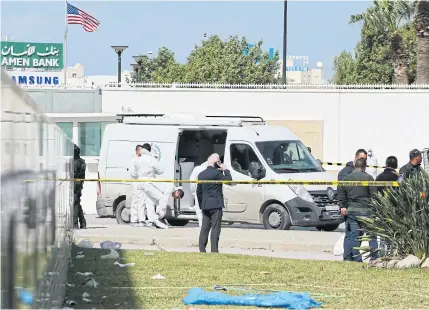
(160, 205)
(194, 176)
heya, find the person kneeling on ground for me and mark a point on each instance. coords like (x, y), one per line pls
(355, 203)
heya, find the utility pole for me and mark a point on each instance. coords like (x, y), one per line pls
(284, 43)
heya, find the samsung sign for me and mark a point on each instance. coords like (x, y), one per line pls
(36, 78)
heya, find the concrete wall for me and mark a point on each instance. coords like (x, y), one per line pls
(67, 101)
(392, 121)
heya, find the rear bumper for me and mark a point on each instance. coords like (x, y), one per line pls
(304, 213)
(104, 207)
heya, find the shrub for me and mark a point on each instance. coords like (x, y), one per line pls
(401, 218)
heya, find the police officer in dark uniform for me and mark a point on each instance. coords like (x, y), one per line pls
(389, 174)
(79, 173)
(414, 165)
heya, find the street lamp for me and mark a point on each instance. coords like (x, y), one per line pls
(119, 49)
(284, 42)
(138, 60)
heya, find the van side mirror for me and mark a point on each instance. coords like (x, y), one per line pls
(261, 173)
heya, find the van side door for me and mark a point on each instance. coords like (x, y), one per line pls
(243, 201)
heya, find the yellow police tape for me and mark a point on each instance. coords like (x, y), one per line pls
(283, 182)
(327, 163)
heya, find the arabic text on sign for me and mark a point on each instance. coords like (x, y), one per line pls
(31, 49)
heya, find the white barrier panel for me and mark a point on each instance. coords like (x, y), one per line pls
(36, 209)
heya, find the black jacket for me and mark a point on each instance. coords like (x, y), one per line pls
(388, 175)
(410, 170)
(210, 195)
(79, 167)
(357, 198)
(349, 168)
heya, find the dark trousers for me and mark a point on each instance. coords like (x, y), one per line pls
(212, 221)
(354, 231)
(77, 208)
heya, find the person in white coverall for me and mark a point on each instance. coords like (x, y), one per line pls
(372, 161)
(149, 168)
(194, 176)
(167, 190)
(138, 215)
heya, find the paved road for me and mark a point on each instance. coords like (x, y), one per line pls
(235, 239)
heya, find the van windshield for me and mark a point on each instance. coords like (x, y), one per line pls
(288, 157)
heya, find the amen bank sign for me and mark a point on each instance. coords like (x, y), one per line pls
(40, 56)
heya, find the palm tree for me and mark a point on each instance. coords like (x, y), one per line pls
(421, 23)
(387, 16)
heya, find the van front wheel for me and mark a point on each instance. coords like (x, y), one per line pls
(276, 217)
(122, 213)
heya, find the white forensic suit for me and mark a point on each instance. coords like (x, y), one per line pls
(138, 196)
(167, 190)
(194, 176)
(372, 161)
(149, 168)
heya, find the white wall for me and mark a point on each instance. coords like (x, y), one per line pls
(392, 122)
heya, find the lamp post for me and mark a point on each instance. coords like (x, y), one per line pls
(138, 60)
(284, 42)
(119, 49)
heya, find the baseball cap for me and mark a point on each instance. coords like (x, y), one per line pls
(414, 153)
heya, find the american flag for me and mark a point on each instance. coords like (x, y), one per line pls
(79, 17)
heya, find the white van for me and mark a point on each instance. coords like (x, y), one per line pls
(252, 150)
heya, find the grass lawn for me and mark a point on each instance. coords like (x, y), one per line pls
(336, 284)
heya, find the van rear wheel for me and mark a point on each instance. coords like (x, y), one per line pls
(123, 215)
(276, 217)
(330, 227)
(176, 222)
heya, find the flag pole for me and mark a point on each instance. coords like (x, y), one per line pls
(65, 42)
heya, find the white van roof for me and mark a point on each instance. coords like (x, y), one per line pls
(241, 127)
(189, 120)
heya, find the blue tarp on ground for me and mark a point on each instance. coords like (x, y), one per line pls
(289, 300)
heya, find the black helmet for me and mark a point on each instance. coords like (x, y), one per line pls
(76, 150)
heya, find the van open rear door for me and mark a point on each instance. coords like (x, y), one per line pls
(120, 151)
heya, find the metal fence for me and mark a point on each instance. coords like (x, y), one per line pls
(35, 207)
(426, 160)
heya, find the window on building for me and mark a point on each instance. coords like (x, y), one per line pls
(90, 136)
(67, 127)
(74, 75)
(244, 160)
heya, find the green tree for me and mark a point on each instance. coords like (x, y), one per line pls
(421, 23)
(373, 57)
(387, 16)
(345, 69)
(218, 61)
(163, 68)
(373, 65)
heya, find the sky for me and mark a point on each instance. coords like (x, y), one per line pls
(317, 29)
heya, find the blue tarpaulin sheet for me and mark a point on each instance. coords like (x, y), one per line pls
(288, 300)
